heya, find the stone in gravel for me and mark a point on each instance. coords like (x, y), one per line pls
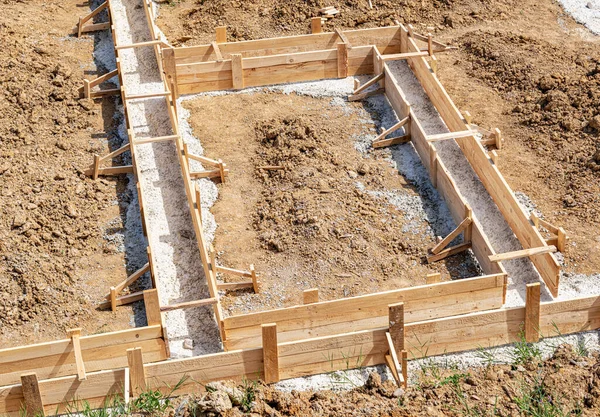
(19, 220)
(398, 393)
(217, 402)
(594, 122)
(188, 344)
(471, 381)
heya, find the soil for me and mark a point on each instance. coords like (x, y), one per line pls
(323, 219)
(568, 383)
(525, 67)
(55, 262)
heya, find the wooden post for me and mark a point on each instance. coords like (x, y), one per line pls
(270, 353)
(213, 258)
(356, 84)
(170, 69)
(311, 296)
(433, 62)
(468, 117)
(433, 165)
(152, 304)
(404, 360)
(430, 44)
(151, 264)
(315, 25)
(468, 234)
(494, 157)
(87, 89)
(410, 30)
(222, 171)
(32, 396)
(237, 71)
(561, 242)
(532, 313)
(221, 34)
(433, 278)
(96, 167)
(140, 203)
(198, 202)
(396, 320)
(113, 299)
(74, 335)
(254, 279)
(342, 59)
(137, 373)
(498, 138)
(535, 220)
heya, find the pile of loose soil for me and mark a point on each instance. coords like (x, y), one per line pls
(325, 219)
(55, 263)
(566, 384)
(194, 21)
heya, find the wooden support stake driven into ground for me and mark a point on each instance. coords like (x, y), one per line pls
(446, 241)
(310, 296)
(393, 362)
(137, 373)
(361, 96)
(221, 34)
(342, 59)
(449, 135)
(217, 51)
(138, 44)
(433, 278)
(560, 238)
(368, 83)
(170, 69)
(315, 25)
(33, 407)
(433, 165)
(532, 313)
(189, 304)
(381, 142)
(522, 253)
(405, 55)
(270, 353)
(152, 304)
(74, 335)
(396, 325)
(453, 250)
(88, 28)
(343, 38)
(237, 71)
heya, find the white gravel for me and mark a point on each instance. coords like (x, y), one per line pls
(178, 265)
(586, 12)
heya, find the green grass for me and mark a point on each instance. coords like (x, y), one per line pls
(525, 352)
(535, 399)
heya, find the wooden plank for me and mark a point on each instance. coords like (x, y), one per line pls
(221, 34)
(270, 353)
(449, 135)
(343, 38)
(170, 68)
(148, 95)
(315, 25)
(310, 296)
(233, 286)
(395, 361)
(396, 325)
(532, 313)
(152, 304)
(433, 165)
(390, 363)
(115, 153)
(137, 373)
(131, 279)
(395, 127)
(94, 27)
(369, 83)
(121, 300)
(491, 178)
(522, 253)
(401, 56)
(459, 229)
(189, 304)
(237, 272)
(342, 60)
(75, 335)
(433, 278)
(237, 73)
(31, 394)
(217, 51)
(138, 45)
(362, 96)
(449, 252)
(382, 143)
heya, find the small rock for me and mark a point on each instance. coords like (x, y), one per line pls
(60, 176)
(352, 174)
(589, 5)
(471, 381)
(594, 122)
(363, 169)
(63, 145)
(19, 220)
(398, 393)
(373, 381)
(521, 368)
(188, 344)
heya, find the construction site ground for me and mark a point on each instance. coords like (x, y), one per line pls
(525, 67)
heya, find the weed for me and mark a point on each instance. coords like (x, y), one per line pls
(338, 377)
(486, 356)
(581, 348)
(524, 352)
(249, 391)
(536, 400)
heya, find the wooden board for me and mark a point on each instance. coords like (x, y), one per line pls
(368, 311)
(487, 172)
(103, 351)
(384, 38)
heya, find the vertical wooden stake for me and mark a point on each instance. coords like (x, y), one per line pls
(535, 220)
(315, 25)
(494, 157)
(342, 59)
(430, 44)
(433, 165)
(96, 167)
(468, 233)
(410, 30)
(32, 396)
(79, 27)
(137, 373)
(74, 335)
(87, 89)
(151, 263)
(152, 305)
(433, 278)
(213, 258)
(356, 84)
(433, 62)
(222, 171)
(311, 296)
(198, 202)
(221, 34)
(140, 203)
(254, 280)
(396, 320)
(404, 360)
(561, 243)
(170, 69)
(237, 71)
(532, 313)
(498, 138)
(113, 299)
(270, 353)
(468, 117)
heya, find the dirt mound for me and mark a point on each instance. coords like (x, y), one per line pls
(555, 96)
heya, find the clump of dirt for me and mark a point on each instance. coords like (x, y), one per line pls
(555, 95)
(566, 384)
(194, 21)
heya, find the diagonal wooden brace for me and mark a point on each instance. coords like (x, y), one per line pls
(461, 227)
